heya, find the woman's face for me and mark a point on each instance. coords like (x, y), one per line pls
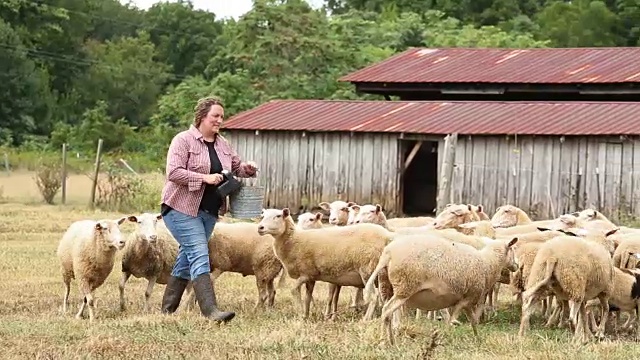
(212, 122)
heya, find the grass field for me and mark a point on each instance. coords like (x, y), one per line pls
(31, 325)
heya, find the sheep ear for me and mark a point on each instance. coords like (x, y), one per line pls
(612, 232)
(158, 216)
(318, 216)
(575, 213)
(566, 232)
(132, 218)
(98, 226)
(121, 220)
(378, 208)
(355, 207)
(512, 242)
(543, 229)
(285, 212)
(479, 208)
(350, 204)
(470, 207)
(324, 205)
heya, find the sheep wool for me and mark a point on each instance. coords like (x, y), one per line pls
(87, 253)
(341, 255)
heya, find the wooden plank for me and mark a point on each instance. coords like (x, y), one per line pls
(457, 183)
(412, 154)
(526, 174)
(468, 170)
(636, 178)
(626, 179)
(448, 159)
(565, 165)
(366, 166)
(502, 176)
(489, 172)
(345, 182)
(477, 170)
(612, 179)
(388, 173)
(376, 171)
(556, 172)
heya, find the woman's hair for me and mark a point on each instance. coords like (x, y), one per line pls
(202, 108)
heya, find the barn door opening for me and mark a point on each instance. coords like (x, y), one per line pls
(419, 177)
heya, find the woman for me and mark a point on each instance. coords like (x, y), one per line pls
(191, 203)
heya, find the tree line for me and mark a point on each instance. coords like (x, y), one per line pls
(77, 70)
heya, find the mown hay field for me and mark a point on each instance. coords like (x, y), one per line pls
(32, 327)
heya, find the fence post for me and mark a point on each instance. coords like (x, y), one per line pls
(64, 174)
(95, 175)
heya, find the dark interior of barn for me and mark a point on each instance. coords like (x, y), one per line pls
(420, 178)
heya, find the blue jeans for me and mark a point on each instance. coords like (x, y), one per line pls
(192, 233)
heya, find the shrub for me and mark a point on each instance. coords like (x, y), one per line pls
(48, 178)
(122, 191)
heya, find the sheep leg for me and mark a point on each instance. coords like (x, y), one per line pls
(332, 305)
(528, 299)
(637, 313)
(262, 292)
(358, 300)
(387, 311)
(123, 280)
(65, 297)
(453, 318)
(604, 308)
(80, 312)
(309, 295)
(271, 293)
(474, 316)
(296, 291)
(147, 294)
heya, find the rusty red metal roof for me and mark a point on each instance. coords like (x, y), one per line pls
(493, 65)
(439, 117)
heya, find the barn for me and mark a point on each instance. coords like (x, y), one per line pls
(433, 147)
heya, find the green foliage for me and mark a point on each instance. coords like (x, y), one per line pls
(76, 71)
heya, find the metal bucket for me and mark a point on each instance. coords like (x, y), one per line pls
(246, 203)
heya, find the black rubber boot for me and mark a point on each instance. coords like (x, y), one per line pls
(173, 294)
(206, 298)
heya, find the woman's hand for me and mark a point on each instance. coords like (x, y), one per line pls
(213, 179)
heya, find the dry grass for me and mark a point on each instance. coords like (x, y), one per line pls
(20, 187)
(31, 325)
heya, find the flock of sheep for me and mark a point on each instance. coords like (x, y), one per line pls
(578, 270)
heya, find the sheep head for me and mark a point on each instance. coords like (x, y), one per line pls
(146, 229)
(371, 214)
(310, 221)
(275, 222)
(108, 230)
(508, 216)
(452, 216)
(338, 211)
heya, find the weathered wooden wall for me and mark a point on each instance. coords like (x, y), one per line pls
(303, 170)
(549, 175)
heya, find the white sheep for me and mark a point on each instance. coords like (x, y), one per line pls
(310, 220)
(429, 272)
(87, 253)
(576, 269)
(237, 247)
(338, 211)
(625, 295)
(150, 252)
(341, 255)
(452, 216)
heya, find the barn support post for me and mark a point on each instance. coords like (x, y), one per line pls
(446, 171)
